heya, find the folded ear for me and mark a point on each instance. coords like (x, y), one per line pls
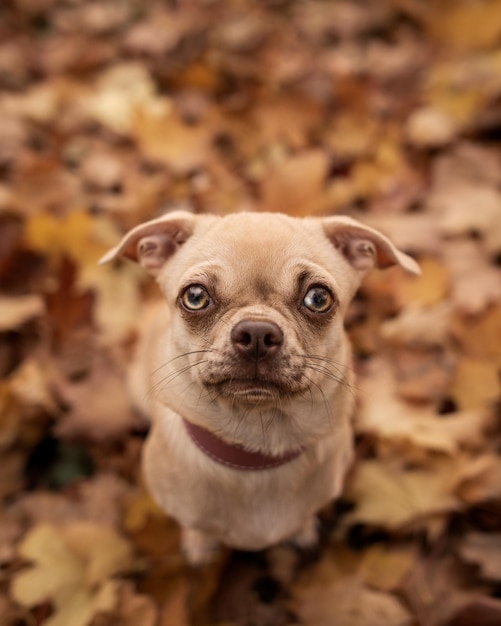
(152, 243)
(365, 247)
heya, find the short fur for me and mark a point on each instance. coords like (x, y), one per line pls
(255, 266)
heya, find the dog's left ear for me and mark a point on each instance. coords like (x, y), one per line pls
(365, 247)
(152, 243)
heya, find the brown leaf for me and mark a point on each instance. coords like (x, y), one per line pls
(96, 500)
(16, 311)
(100, 406)
(481, 611)
(475, 282)
(351, 603)
(296, 186)
(392, 497)
(389, 417)
(484, 550)
(468, 26)
(476, 383)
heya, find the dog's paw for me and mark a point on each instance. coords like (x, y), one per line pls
(199, 548)
(307, 536)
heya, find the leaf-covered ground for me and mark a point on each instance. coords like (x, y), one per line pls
(114, 111)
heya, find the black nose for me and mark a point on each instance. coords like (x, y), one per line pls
(256, 340)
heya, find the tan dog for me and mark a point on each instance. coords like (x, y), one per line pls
(248, 369)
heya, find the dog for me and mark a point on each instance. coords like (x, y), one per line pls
(246, 371)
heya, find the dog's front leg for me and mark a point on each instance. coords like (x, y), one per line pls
(199, 547)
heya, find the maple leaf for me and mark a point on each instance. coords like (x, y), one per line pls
(484, 550)
(74, 568)
(392, 497)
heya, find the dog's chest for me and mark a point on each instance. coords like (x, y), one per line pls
(247, 509)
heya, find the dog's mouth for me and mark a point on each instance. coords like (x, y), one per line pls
(249, 390)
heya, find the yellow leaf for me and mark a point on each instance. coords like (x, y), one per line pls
(468, 25)
(104, 551)
(57, 570)
(428, 289)
(140, 507)
(384, 568)
(296, 186)
(476, 383)
(169, 139)
(73, 235)
(117, 305)
(15, 311)
(392, 497)
(72, 567)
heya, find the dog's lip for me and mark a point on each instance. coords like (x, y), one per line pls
(249, 388)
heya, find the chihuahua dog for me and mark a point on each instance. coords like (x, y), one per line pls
(247, 369)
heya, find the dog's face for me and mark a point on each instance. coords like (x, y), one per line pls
(257, 304)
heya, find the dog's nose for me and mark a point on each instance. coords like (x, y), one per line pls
(256, 340)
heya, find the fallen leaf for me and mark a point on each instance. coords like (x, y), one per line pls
(418, 325)
(73, 567)
(480, 335)
(296, 186)
(475, 282)
(389, 417)
(393, 497)
(484, 550)
(170, 140)
(350, 603)
(468, 26)
(174, 611)
(118, 94)
(384, 568)
(117, 305)
(480, 611)
(481, 480)
(16, 311)
(426, 290)
(132, 609)
(430, 127)
(96, 500)
(100, 405)
(476, 383)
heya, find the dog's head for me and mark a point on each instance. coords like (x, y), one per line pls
(258, 302)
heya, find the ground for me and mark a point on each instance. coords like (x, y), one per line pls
(112, 112)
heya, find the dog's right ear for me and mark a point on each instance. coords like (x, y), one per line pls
(152, 243)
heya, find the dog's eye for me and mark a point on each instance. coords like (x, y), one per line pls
(318, 300)
(195, 298)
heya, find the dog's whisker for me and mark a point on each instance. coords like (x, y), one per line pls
(162, 384)
(325, 400)
(180, 356)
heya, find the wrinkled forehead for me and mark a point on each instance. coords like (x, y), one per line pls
(255, 254)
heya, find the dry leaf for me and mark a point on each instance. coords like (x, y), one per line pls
(170, 140)
(349, 603)
(384, 568)
(480, 336)
(430, 128)
(16, 311)
(393, 498)
(475, 282)
(100, 405)
(296, 186)
(481, 480)
(384, 414)
(468, 25)
(484, 550)
(96, 500)
(425, 290)
(476, 383)
(73, 567)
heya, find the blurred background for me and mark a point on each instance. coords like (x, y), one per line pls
(113, 112)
